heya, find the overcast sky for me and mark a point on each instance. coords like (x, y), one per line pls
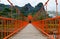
(51, 3)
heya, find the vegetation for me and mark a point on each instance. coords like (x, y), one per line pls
(5, 10)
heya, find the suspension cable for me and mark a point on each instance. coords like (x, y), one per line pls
(46, 7)
(11, 7)
(56, 7)
(41, 8)
(56, 14)
(17, 10)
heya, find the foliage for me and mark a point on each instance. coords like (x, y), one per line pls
(5, 10)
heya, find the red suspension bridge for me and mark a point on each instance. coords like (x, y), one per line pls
(50, 27)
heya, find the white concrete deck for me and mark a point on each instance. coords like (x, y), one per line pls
(29, 32)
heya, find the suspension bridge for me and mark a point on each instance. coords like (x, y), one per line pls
(31, 28)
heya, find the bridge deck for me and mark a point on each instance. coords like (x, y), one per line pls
(29, 32)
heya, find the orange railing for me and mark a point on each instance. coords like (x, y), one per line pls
(40, 27)
(9, 26)
(50, 26)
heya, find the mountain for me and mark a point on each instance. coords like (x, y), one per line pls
(25, 10)
(39, 6)
(29, 9)
(2, 6)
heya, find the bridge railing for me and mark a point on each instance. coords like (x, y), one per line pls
(9, 26)
(51, 26)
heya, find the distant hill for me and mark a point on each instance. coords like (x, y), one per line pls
(2, 6)
(5, 10)
(38, 7)
(29, 9)
(25, 9)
